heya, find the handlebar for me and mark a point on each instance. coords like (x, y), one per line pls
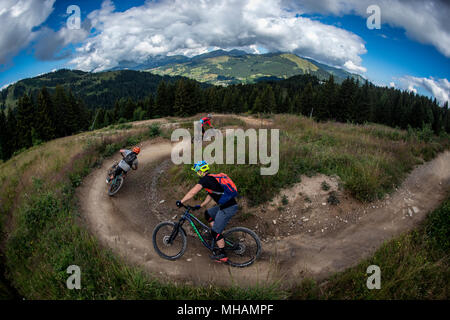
(187, 207)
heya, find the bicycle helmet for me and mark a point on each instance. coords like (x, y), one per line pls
(136, 150)
(201, 166)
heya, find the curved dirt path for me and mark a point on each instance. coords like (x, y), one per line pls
(125, 223)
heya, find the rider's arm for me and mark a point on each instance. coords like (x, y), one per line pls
(206, 201)
(122, 151)
(196, 189)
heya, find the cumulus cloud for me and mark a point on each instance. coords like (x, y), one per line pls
(392, 84)
(439, 88)
(424, 21)
(52, 45)
(191, 27)
(17, 20)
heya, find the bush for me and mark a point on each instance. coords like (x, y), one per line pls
(154, 130)
(131, 141)
(110, 149)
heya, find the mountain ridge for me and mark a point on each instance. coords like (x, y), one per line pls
(222, 67)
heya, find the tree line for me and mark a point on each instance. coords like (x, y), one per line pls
(41, 118)
(49, 116)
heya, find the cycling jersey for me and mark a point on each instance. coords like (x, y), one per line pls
(206, 120)
(210, 183)
(124, 165)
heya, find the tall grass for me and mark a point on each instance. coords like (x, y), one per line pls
(369, 159)
(46, 237)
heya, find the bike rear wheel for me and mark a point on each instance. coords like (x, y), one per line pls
(169, 242)
(115, 185)
(242, 246)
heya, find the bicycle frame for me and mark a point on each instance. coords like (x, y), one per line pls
(187, 216)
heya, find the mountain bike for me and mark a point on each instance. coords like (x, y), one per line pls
(116, 183)
(242, 245)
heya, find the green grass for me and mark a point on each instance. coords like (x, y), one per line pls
(415, 265)
(48, 237)
(369, 159)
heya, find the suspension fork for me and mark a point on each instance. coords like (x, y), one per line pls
(176, 229)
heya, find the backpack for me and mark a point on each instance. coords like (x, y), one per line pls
(229, 188)
(129, 159)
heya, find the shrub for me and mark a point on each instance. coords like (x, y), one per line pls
(154, 130)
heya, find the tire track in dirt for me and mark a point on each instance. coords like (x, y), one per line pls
(125, 224)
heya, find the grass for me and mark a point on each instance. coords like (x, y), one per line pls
(371, 160)
(415, 265)
(46, 236)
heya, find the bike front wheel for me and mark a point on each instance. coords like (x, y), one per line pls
(242, 246)
(169, 240)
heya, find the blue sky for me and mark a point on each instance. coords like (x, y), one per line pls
(392, 54)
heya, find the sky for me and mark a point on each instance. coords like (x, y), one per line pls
(409, 49)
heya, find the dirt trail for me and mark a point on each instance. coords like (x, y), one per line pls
(125, 223)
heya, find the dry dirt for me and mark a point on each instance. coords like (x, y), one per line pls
(303, 234)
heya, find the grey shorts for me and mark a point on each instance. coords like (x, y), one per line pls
(221, 217)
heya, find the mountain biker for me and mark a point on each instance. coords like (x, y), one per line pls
(219, 215)
(128, 162)
(206, 120)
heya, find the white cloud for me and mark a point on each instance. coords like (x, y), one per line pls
(392, 84)
(349, 65)
(424, 21)
(191, 27)
(412, 89)
(439, 88)
(17, 19)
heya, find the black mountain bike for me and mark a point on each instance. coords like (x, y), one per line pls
(242, 245)
(116, 183)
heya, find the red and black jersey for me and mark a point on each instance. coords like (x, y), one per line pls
(207, 121)
(214, 189)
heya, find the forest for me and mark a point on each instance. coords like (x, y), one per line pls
(46, 114)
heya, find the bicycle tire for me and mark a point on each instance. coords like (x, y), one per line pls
(112, 192)
(180, 232)
(231, 252)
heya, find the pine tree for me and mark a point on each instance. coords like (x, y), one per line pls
(3, 136)
(362, 111)
(181, 105)
(25, 120)
(11, 130)
(268, 98)
(307, 98)
(60, 115)
(162, 100)
(45, 129)
(346, 99)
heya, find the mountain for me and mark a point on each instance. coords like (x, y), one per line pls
(222, 67)
(219, 67)
(100, 89)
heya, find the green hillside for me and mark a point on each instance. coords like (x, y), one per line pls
(99, 89)
(224, 68)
